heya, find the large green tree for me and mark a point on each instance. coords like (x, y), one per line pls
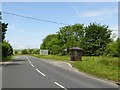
(96, 38)
(92, 38)
(113, 49)
(70, 36)
(24, 51)
(4, 29)
(50, 43)
(7, 49)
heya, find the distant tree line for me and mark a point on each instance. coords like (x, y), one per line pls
(30, 51)
(95, 39)
(7, 49)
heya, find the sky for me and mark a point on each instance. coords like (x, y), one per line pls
(28, 33)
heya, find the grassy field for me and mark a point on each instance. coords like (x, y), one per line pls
(104, 67)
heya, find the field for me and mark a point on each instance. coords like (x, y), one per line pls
(103, 67)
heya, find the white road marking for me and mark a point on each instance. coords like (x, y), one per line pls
(60, 85)
(28, 60)
(69, 64)
(40, 72)
(35, 68)
(32, 65)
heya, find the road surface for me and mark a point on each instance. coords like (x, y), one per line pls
(30, 72)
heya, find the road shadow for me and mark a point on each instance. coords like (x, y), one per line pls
(16, 60)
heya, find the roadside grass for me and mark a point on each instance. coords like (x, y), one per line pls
(52, 57)
(8, 58)
(103, 67)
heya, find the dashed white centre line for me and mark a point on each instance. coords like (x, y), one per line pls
(40, 72)
(60, 85)
(44, 75)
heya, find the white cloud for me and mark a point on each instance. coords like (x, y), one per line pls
(95, 13)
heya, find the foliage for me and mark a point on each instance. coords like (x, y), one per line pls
(16, 52)
(70, 36)
(92, 38)
(33, 51)
(30, 51)
(55, 50)
(52, 44)
(7, 49)
(24, 51)
(100, 68)
(36, 51)
(95, 40)
(4, 29)
(113, 49)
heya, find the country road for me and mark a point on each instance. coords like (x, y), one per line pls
(30, 72)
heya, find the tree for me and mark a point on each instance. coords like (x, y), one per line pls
(30, 51)
(7, 49)
(92, 38)
(71, 35)
(36, 51)
(113, 49)
(49, 42)
(96, 39)
(16, 52)
(4, 29)
(24, 51)
(56, 50)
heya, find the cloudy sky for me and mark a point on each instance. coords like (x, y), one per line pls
(29, 33)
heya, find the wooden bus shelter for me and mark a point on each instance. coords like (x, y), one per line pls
(76, 54)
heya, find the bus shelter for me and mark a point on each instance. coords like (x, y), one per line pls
(76, 54)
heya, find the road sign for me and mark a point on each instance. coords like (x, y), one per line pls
(43, 52)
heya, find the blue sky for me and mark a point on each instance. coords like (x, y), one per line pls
(27, 33)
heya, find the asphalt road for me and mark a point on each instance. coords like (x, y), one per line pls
(31, 72)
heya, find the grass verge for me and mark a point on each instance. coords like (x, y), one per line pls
(8, 58)
(104, 67)
(52, 57)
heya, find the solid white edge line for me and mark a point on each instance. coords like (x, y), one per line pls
(32, 65)
(59, 85)
(40, 72)
(69, 64)
(28, 59)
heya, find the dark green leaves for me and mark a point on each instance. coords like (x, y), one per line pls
(92, 38)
